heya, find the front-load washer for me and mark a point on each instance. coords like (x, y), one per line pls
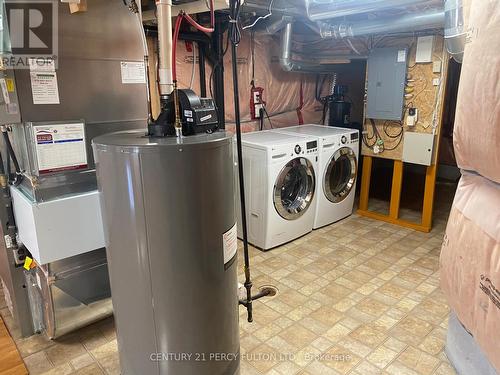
(338, 166)
(280, 184)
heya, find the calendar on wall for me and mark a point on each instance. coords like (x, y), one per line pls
(60, 147)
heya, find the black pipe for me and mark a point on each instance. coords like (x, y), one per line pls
(263, 293)
(218, 75)
(188, 36)
(235, 34)
(2, 167)
(201, 67)
(10, 151)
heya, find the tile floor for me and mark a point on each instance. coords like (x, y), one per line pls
(358, 297)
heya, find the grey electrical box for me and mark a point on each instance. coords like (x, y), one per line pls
(418, 148)
(386, 83)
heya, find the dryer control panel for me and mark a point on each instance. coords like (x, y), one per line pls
(349, 139)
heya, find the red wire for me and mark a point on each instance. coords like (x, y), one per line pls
(177, 28)
(299, 108)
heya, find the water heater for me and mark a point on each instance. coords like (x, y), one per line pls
(169, 216)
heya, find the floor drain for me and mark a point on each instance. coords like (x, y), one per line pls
(271, 290)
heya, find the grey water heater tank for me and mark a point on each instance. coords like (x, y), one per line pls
(168, 209)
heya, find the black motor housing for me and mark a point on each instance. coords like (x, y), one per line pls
(198, 115)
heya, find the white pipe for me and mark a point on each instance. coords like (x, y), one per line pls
(164, 14)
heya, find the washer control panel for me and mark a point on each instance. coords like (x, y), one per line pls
(312, 147)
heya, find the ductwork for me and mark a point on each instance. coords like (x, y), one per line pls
(432, 19)
(318, 10)
(290, 65)
(454, 29)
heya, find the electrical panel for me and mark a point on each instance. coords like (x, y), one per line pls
(418, 148)
(386, 83)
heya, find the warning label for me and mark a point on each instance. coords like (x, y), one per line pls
(60, 147)
(230, 244)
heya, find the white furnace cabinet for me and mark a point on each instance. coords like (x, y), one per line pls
(59, 228)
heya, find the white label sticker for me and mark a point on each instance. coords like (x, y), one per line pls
(133, 72)
(5, 91)
(60, 147)
(8, 241)
(38, 281)
(12, 109)
(42, 65)
(205, 118)
(401, 55)
(189, 119)
(44, 88)
(188, 113)
(230, 243)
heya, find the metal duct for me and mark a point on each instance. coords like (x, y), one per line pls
(290, 65)
(409, 22)
(275, 26)
(323, 10)
(454, 29)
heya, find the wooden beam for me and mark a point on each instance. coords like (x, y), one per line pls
(430, 187)
(365, 183)
(78, 7)
(397, 182)
(390, 220)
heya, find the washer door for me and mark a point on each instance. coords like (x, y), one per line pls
(294, 188)
(340, 175)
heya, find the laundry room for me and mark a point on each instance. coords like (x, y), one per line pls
(250, 187)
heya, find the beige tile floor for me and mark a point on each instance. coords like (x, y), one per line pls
(357, 297)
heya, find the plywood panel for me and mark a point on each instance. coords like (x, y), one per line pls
(421, 93)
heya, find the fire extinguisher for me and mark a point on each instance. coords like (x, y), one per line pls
(256, 102)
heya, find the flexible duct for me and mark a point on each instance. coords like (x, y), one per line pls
(454, 29)
(409, 22)
(323, 10)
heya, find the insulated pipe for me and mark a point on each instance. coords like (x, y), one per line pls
(433, 19)
(317, 11)
(164, 14)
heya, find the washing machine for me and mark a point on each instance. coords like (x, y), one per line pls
(338, 151)
(280, 183)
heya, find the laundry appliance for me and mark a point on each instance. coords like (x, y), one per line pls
(338, 151)
(280, 184)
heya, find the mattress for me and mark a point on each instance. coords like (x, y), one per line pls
(477, 120)
(470, 261)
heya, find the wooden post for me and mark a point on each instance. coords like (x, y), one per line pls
(397, 182)
(430, 187)
(365, 183)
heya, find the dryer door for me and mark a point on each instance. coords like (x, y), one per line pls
(340, 175)
(294, 188)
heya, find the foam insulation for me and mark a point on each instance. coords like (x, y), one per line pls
(477, 120)
(470, 261)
